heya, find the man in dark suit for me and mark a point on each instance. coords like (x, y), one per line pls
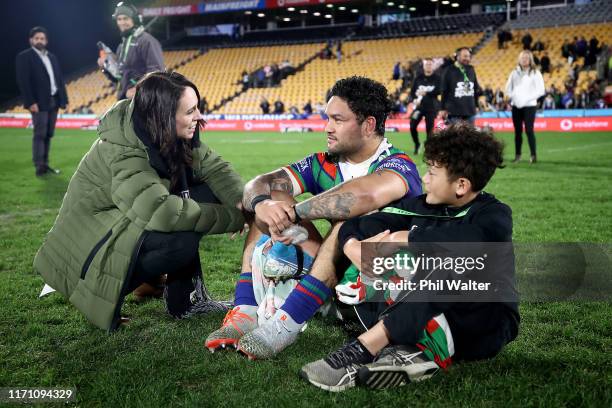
(43, 90)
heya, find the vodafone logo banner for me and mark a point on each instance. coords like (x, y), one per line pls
(291, 3)
(591, 124)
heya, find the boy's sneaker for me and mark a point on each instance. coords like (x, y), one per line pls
(237, 322)
(270, 338)
(396, 366)
(337, 371)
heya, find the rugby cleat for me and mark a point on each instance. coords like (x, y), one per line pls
(237, 322)
(270, 338)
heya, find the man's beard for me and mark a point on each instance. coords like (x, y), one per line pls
(39, 46)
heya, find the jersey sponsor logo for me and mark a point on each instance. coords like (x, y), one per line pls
(464, 89)
(398, 165)
(303, 165)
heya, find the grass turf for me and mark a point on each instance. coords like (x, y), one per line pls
(562, 356)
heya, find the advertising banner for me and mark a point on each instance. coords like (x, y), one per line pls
(603, 123)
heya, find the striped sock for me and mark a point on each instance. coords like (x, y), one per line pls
(244, 290)
(304, 301)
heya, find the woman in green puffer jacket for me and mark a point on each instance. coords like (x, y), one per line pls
(138, 204)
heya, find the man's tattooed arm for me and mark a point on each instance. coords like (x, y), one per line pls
(329, 206)
(353, 198)
(263, 185)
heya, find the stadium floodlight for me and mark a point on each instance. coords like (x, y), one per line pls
(434, 1)
(328, 16)
(286, 19)
(445, 1)
(316, 14)
(354, 11)
(261, 15)
(390, 4)
(342, 8)
(401, 6)
(304, 11)
(291, 9)
(248, 12)
(330, 6)
(455, 5)
(412, 9)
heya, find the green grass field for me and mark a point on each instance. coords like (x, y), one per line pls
(562, 357)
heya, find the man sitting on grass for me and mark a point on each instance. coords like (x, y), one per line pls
(360, 172)
(409, 340)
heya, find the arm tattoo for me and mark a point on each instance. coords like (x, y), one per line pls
(282, 184)
(263, 185)
(329, 206)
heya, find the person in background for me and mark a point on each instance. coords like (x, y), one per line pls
(524, 87)
(459, 89)
(138, 53)
(42, 87)
(265, 106)
(424, 95)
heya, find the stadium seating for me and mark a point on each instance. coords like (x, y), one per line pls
(494, 65)
(372, 58)
(217, 73)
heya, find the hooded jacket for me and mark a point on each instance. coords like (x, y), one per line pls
(114, 199)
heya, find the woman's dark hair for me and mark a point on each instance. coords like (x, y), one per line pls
(155, 105)
(365, 97)
(466, 152)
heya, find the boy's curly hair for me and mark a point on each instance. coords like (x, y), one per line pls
(466, 152)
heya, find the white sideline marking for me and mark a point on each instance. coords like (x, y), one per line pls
(565, 149)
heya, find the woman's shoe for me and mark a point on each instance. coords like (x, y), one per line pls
(517, 158)
(533, 160)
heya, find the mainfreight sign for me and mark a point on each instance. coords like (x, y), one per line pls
(204, 8)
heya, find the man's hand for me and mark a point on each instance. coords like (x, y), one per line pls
(443, 114)
(33, 108)
(130, 92)
(277, 215)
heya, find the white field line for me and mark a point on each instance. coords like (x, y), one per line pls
(583, 147)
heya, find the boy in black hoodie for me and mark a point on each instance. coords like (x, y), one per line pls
(407, 340)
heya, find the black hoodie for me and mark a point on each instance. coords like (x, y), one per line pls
(459, 96)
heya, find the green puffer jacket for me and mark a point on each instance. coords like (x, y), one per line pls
(113, 199)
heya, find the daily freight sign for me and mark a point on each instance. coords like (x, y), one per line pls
(170, 10)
